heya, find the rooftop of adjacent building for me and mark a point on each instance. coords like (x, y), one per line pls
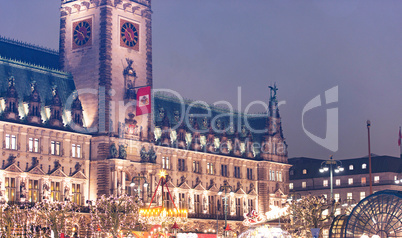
(29, 53)
(304, 168)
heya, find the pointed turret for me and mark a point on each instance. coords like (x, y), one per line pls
(249, 153)
(34, 106)
(274, 147)
(56, 111)
(77, 112)
(165, 137)
(236, 150)
(196, 141)
(11, 110)
(210, 140)
(181, 136)
(224, 147)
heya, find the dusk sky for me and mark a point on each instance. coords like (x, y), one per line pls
(206, 49)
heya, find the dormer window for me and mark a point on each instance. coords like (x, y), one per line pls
(304, 171)
(351, 167)
(364, 166)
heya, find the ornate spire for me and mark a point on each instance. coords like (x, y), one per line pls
(56, 109)
(76, 112)
(273, 143)
(34, 105)
(11, 110)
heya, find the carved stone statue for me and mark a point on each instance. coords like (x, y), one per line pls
(46, 191)
(152, 155)
(144, 155)
(122, 152)
(66, 193)
(113, 151)
(77, 167)
(272, 93)
(22, 190)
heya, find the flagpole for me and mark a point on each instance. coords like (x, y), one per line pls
(400, 144)
(369, 156)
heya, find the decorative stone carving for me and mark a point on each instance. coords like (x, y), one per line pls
(113, 151)
(122, 152)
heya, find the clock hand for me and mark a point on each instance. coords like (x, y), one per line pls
(82, 34)
(131, 38)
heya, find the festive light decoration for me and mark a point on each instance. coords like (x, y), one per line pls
(265, 231)
(253, 218)
(276, 212)
(161, 214)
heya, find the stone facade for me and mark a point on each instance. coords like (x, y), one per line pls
(59, 130)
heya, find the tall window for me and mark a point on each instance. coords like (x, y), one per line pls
(55, 147)
(362, 195)
(196, 166)
(211, 204)
(197, 203)
(338, 182)
(182, 201)
(272, 173)
(336, 196)
(224, 170)
(376, 179)
(76, 190)
(250, 205)
(210, 168)
(290, 186)
(350, 181)
(280, 176)
(55, 191)
(166, 200)
(325, 183)
(249, 174)
(363, 180)
(304, 184)
(33, 190)
(10, 189)
(181, 165)
(349, 196)
(11, 142)
(238, 204)
(76, 151)
(165, 163)
(33, 145)
(237, 172)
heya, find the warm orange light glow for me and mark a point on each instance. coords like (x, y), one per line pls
(162, 174)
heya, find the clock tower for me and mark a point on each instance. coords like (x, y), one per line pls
(107, 46)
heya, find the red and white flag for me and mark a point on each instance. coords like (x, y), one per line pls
(399, 137)
(143, 101)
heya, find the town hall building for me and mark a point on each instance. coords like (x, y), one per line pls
(83, 121)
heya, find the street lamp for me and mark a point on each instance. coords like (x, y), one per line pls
(293, 197)
(332, 166)
(138, 178)
(175, 228)
(227, 189)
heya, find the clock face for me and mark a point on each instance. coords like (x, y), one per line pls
(82, 32)
(129, 35)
